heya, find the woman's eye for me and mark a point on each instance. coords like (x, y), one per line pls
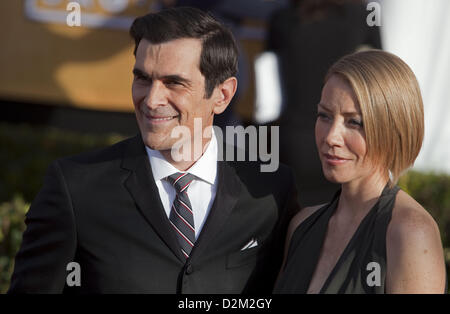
(356, 122)
(322, 116)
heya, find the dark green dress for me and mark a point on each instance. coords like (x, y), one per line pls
(362, 266)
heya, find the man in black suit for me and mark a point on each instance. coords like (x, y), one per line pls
(135, 217)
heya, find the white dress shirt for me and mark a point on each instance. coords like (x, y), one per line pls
(202, 190)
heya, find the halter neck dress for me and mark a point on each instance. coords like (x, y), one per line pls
(362, 266)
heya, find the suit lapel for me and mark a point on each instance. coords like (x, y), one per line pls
(142, 187)
(228, 191)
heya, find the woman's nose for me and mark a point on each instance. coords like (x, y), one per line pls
(334, 136)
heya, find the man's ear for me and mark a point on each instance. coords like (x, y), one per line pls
(223, 94)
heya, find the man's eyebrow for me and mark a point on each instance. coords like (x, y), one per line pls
(170, 77)
(176, 78)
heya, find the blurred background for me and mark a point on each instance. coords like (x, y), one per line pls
(64, 90)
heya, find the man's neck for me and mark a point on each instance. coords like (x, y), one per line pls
(186, 163)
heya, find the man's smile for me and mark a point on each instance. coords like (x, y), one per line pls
(157, 119)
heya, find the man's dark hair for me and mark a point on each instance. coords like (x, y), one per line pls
(219, 55)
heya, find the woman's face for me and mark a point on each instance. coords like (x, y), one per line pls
(340, 136)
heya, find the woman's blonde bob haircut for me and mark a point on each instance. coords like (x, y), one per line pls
(391, 105)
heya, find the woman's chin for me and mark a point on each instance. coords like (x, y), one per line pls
(335, 177)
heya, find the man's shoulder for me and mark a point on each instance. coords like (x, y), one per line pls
(257, 170)
(279, 184)
(255, 174)
(105, 155)
(245, 164)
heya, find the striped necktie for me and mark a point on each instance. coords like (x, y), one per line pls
(181, 216)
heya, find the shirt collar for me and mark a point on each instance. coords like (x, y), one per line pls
(205, 168)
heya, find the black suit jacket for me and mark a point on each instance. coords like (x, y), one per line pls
(102, 210)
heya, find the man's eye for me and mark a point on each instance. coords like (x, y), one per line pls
(173, 83)
(143, 80)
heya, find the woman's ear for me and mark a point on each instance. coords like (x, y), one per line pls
(223, 94)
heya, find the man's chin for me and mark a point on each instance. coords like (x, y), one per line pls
(159, 147)
(155, 143)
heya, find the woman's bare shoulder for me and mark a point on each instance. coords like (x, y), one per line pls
(409, 218)
(414, 249)
(302, 215)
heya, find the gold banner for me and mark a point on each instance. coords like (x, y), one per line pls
(44, 60)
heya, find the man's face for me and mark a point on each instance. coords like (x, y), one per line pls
(168, 90)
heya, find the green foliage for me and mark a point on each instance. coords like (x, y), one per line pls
(11, 227)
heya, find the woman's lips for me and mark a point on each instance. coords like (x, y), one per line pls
(334, 160)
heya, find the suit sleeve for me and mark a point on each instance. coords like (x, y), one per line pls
(49, 241)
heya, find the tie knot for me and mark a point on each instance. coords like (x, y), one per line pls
(180, 181)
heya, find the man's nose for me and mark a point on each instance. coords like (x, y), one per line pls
(156, 95)
(335, 134)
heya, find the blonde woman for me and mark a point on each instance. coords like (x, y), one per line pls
(372, 237)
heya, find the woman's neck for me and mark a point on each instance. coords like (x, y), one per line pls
(358, 196)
